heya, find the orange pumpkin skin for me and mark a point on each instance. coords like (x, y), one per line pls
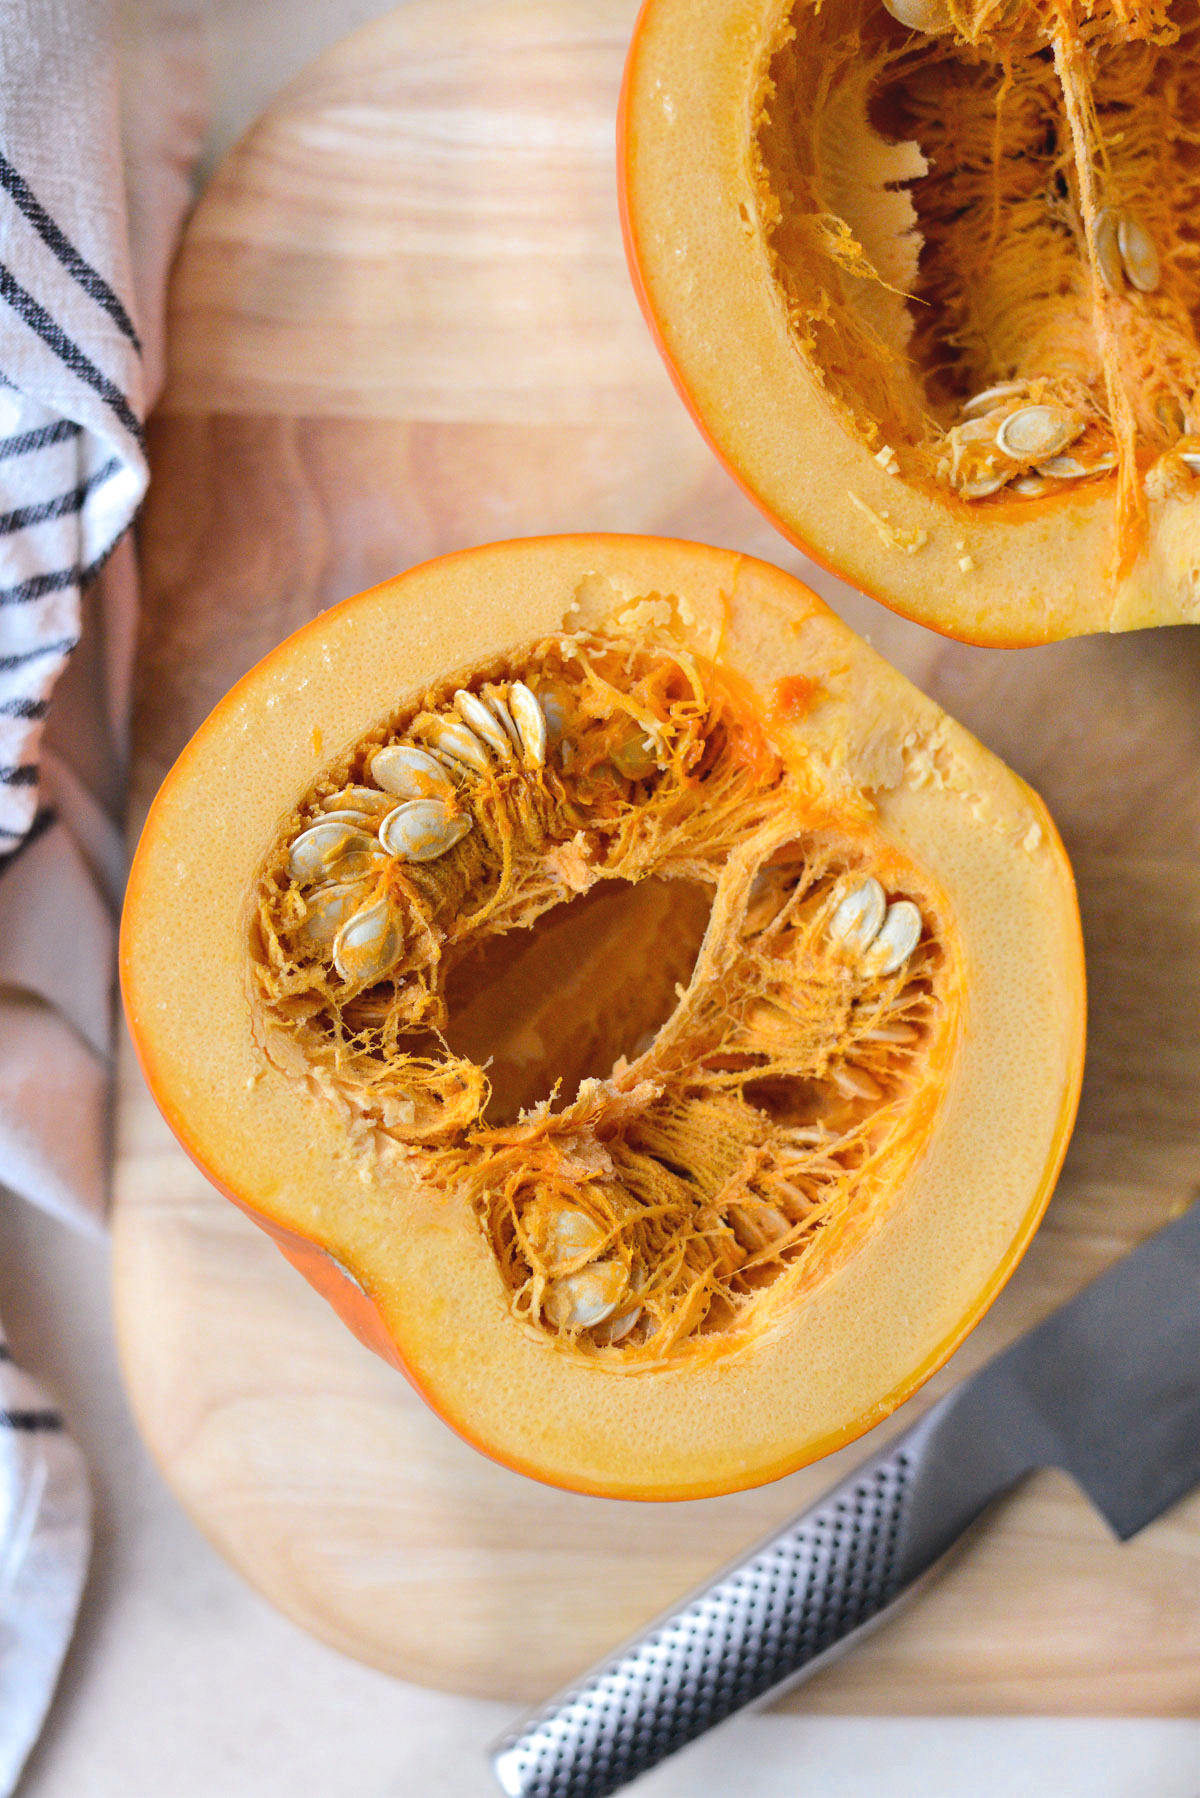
(1012, 571)
(405, 1264)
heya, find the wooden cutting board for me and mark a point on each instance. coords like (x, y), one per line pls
(401, 324)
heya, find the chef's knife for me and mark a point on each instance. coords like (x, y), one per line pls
(1107, 1388)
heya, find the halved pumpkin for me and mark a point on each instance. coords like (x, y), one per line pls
(926, 272)
(651, 1022)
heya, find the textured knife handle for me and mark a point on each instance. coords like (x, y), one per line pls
(756, 1626)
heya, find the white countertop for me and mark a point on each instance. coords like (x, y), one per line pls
(182, 1683)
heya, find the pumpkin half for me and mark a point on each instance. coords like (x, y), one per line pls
(926, 273)
(652, 1023)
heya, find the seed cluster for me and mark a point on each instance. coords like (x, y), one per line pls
(710, 1177)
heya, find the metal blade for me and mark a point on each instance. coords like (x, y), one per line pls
(1108, 1387)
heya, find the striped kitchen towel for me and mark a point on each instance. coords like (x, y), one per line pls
(73, 390)
(72, 461)
(44, 1538)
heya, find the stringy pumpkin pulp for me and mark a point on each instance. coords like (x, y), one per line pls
(702, 1096)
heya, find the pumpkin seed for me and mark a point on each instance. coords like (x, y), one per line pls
(330, 849)
(899, 936)
(360, 820)
(984, 485)
(450, 737)
(571, 1234)
(367, 800)
(368, 944)
(483, 722)
(411, 773)
(1063, 468)
(930, 16)
(498, 705)
(890, 1033)
(555, 704)
(1108, 254)
(1191, 459)
(1139, 255)
(1036, 432)
(1030, 486)
(578, 1301)
(992, 397)
(855, 1083)
(530, 721)
(858, 916)
(328, 909)
(421, 830)
(617, 1328)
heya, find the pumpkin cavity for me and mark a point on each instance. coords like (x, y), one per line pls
(574, 936)
(981, 220)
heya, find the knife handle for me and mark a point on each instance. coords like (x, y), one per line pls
(767, 1619)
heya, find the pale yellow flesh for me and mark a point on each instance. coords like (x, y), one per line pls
(878, 1326)
(1023, 573)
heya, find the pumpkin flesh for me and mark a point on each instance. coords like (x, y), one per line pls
(799, 1181)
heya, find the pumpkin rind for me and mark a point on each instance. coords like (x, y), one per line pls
(1015, 570)
(407, 1265)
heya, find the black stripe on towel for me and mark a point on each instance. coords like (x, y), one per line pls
(30, 1420)
(38, 585)
(61, 505)
(24, 708)
(67, 350)
(56, 239)
(25, 442)
(4, 1352)
(18, 774)
(62, 646)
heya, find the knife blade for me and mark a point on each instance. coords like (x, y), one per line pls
(1106, 1388)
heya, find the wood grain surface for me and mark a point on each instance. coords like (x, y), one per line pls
(401, 324)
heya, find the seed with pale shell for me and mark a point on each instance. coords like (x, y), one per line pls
(1190, 459)
(570, 1234)
(1036, 432)
(328, 909)
(484, 723)
(757, 1227)
(368, 944)
(360, 820)
(984, 485)
(577, 1301)
(616, 1329)
(931, 16)
(899, 936)
(1108, 254)
(1139, 253)
(554, 706)
(855, 1083)
(411, 773)
(890, 1033)
(498, 706)
(328, 848)
(367, 800)
(858, 915)
(451, 737)
(991, 397)
(421, 830)
(530, 721)
(1063, 468)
